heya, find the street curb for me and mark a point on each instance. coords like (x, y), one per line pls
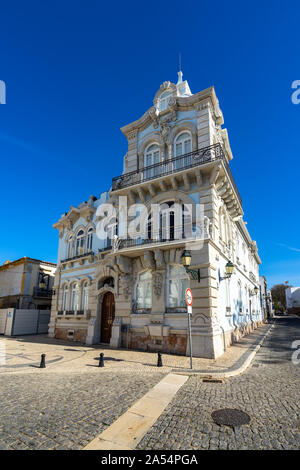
(237, 369)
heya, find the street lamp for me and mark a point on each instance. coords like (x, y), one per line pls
(229, 268)
(186, 259)
(255, 291)
(42, 283)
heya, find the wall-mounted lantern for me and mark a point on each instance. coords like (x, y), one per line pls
(255, 291)
(229, 268)
(186, 259)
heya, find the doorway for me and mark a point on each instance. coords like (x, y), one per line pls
(107, 317)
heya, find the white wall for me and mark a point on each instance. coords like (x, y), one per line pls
(292, 297)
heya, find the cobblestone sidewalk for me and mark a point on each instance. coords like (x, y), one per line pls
(64, 411)
(268, 391)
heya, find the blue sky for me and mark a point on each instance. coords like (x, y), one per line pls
(77, 71)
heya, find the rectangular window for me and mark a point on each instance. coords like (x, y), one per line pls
(144, 291)
(178, 282)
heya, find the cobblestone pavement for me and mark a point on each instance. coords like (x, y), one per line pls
(268, 391)
(64, 411)
(23, 355)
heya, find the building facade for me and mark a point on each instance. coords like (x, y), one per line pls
(26, 284)
(265, 299)
(292, 295)
(124, 283)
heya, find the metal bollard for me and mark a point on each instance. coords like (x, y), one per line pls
(43, 363)
(101, 360)
(159, 360)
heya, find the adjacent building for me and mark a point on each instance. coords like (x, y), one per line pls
(26, 283)
(265, 299)
(127, 287)
(293, 300)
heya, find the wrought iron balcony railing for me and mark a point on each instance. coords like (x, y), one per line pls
(46, 293)
(168, 235)
(81, 255)
(174, 165)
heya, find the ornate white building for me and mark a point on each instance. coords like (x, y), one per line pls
(129, 290)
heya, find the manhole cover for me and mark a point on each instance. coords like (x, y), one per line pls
(230, 417)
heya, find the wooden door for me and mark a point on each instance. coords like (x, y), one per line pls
(107, 316)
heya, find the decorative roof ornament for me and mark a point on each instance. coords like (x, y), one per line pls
(180, 74)
(179, 71)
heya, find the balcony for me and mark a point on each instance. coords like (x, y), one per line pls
(81, 257)
(175, 165)
(173, 235)
(42, 293)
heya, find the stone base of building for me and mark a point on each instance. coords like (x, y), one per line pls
(235, 336)
(172, 344)
(208, 346)
(75, 334)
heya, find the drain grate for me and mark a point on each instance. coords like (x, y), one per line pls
(230, 417)
(214, 381)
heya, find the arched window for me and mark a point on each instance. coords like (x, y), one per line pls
(177, 283)
(74, 304)
(65, 297)
(84, 297)
(182, 146)
(163, 100)
(69, 247)
(144, 290)
(151, 157)
(89, 239)
(80, 243)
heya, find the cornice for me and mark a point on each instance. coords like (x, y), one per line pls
(176, 103)
(68, 220)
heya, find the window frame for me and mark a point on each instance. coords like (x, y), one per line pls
(182, 276)
(74, 295)
(151, 172)
(85, 296)
(65, 297)
(163, 100)
(142, 282)
(180, 160)
(80, 242)
(89, 239)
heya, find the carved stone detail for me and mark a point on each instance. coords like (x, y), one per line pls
(157, 284)
(127, 284)
(159, 258)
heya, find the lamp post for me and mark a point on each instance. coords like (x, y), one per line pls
(186, 259)
(229, 268)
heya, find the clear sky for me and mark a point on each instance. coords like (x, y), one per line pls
(76, 71)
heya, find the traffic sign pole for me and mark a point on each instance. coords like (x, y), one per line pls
(189, 301)
(190, 334)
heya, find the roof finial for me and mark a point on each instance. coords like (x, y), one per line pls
(179, 72)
